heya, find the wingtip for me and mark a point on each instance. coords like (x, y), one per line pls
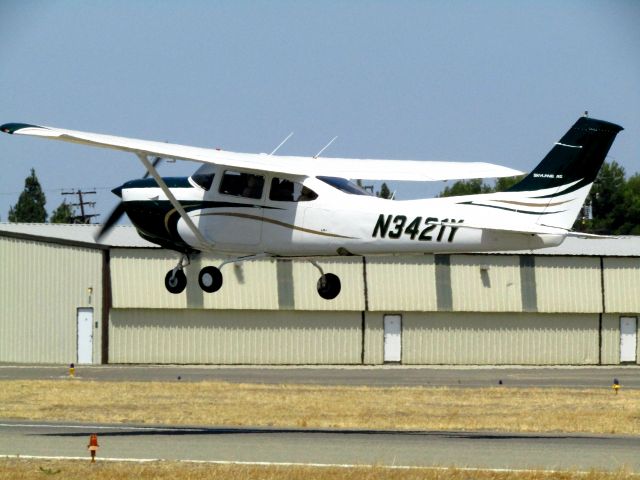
(12, 128)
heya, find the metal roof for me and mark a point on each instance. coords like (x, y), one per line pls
(127, 236)
(119, 236)
(623, 246)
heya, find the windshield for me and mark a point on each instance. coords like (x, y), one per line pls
(344, 185)
(203, 176)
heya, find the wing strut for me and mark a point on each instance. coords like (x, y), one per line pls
(163, 186)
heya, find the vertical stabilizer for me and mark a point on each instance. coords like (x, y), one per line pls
(577, 157)
(552, 195)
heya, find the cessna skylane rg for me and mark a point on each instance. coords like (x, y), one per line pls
(248, 206)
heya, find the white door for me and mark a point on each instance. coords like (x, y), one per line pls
(85, 335)
(628, 338)
(392, 338)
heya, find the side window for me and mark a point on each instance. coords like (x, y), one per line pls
(283, 190)
(239, 184)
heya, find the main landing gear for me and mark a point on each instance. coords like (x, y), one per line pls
(328, 285)
(210, 278)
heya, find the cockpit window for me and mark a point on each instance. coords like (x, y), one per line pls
(283, 190)
(344, 185)
(240, 184)
(204, 180)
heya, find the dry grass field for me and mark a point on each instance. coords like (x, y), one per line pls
(410, 408)
(77, 470)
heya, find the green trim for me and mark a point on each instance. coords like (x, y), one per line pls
(12, 128)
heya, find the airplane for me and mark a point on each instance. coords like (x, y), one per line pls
(249, 206)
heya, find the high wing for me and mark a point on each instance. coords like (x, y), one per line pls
(366, 169)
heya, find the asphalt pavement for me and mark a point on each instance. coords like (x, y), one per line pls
(326, 446)
(377, 376)
(418, 448)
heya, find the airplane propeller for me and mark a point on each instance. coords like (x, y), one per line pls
(116, 213)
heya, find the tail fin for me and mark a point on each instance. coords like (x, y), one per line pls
(576, 159)
(552, 195)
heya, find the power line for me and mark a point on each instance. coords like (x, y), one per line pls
(83, 217)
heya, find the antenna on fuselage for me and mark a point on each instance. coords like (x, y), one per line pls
(281, 143)
(325, 147)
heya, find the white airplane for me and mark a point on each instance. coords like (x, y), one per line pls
(249, 206)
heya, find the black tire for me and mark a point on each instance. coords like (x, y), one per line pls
(329, 286)
(210, 279)
(175, 283)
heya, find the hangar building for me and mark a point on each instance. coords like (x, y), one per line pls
(64, 298)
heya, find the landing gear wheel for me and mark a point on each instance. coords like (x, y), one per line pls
(210, 279)
(175, 283)
(329, 286)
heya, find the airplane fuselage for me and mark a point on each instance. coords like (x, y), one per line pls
(330, 221)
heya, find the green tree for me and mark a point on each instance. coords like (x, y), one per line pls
(608, 202)
(30, 206)
(466, 187)
(631, 224)
(63, 214)
(504, 183)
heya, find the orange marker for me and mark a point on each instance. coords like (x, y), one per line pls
(93, 446)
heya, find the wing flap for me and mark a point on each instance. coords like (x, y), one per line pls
(365, 169)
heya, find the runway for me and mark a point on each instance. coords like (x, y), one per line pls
(378, 376)
(276, 445)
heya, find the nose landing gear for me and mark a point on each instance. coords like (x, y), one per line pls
(175, 281)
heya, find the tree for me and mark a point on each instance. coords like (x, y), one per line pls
(631, 225)
(63, 214)
(608, 202)
(504, 183)
(30, 206)
(466, 187)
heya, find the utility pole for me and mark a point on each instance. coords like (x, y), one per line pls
(83, 217)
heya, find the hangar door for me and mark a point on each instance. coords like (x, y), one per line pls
(628, 338)
(85, 335)
(227, 337)
(500, 339)
(392, 338)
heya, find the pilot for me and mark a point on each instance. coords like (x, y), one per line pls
(252, 189)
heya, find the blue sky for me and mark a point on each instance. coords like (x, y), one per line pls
(496, 81)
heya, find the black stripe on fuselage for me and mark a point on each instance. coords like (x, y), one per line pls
(509, 209)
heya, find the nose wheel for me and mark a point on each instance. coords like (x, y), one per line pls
(175, 281)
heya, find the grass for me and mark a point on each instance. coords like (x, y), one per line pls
(72, 470)
(404, 408)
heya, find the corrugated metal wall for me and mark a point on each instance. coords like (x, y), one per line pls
(138, 282)
(460, 309)
(402, 283)
(235, 337)
(486, 283)
(508, 295)
(373, 338)
(610, 339)
(621, 282)
(41, 287)
(487, 339)
(568, 284)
